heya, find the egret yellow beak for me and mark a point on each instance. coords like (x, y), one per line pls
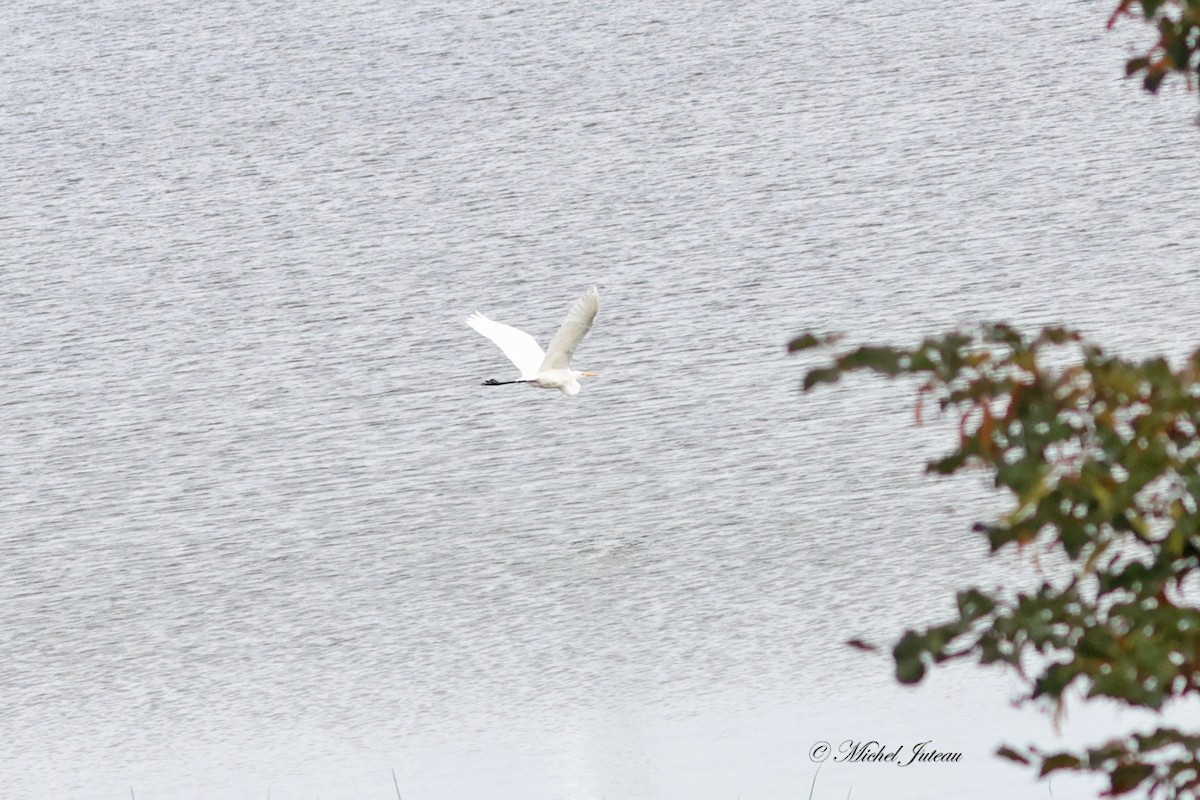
(589, 374)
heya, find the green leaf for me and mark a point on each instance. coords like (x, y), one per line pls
(823, 375)
(1012, 755)
(880, 359)
(910, 672)
(973, 604)
(1127, 777)
(859, 644)
(1074, 538)
(907, 653)
(910, 645)
(948, 465)
(805, 341)
(1136, 65)
(1059, 335)
(1057, 762)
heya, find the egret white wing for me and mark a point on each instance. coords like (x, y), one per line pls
(521, 348)
(574, 328)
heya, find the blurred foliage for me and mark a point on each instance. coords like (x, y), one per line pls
(1100, 456)
(1178, 26)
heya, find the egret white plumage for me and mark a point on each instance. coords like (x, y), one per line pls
(550, 369)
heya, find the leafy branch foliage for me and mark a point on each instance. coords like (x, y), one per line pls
(1178, 46)
(1101, 457)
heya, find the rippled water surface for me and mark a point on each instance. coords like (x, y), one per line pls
(263, 532)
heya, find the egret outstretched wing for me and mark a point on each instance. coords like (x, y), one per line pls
(521, 348)
(571, 333)
(549, 370)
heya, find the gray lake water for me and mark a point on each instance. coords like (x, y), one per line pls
(262, 532)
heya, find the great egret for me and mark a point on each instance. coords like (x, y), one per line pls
(552, 369)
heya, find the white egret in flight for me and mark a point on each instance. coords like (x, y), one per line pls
(551, 369)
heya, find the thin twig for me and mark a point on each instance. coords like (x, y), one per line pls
(397, 783)
(813, 788)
